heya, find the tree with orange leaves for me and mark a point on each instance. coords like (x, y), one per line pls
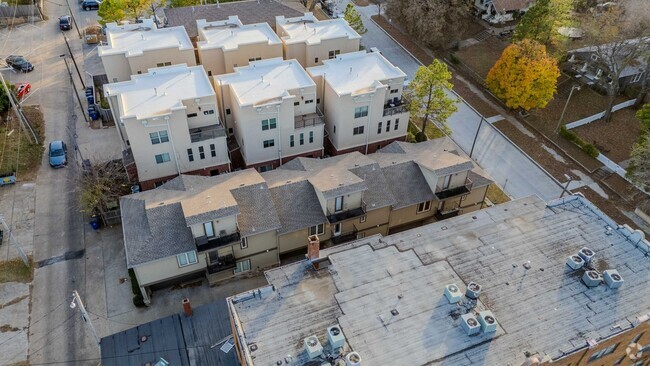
(525, 76)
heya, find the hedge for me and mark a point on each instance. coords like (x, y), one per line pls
(585, 146)
(138, 301)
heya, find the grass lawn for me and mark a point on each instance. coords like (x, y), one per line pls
(496, 195)
(29, 155)
(15, 271)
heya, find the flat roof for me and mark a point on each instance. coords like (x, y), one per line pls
(356, 72)
(308, 29)
(386, 293)
(160, 90)
(266, 81)
(230, 34)
(134, 39)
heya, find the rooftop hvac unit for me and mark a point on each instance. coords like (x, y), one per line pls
(353, 359)
(335, 337)
(453, 294)
(313, 347)
(488, 321)
(591, 278)
(586, 254)
(575, 262)
(613, 279)
(473, 290)
(470, 324)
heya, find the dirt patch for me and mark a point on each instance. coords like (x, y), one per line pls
(15, 271)
(17, 152)
(614, 139)
(496, 195)
(482, 56)
(361, 2)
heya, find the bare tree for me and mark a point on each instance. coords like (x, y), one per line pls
(101, 187)
(379, 4)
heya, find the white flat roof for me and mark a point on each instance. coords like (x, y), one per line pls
(160, 90)
(266, 81)
(356, 72)
(230, 34)
(310, 30)
(133, 39)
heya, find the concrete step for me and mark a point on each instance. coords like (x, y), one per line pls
(602, 173)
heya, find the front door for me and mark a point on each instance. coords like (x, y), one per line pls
(337, 229)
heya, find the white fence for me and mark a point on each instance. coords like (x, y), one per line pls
(598, 116)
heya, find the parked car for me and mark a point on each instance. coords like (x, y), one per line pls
(19, 63)
(58, 154)
(22, 89)
(65, 22)
(90, 4)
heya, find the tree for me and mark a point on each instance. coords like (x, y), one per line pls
(154, 5)
(111, 11)
(353, 18)
(542, 21)
(639, 169)
(379, 4)
(524, 77)
(182, 3)
(433, 22)
(428, 96)
(5, 104)
(136, 8)
(102, 185)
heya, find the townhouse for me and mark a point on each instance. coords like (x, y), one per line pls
(169, 124)
(311, 41)
(135, 48)
(224, 45)
(270, 108)
(361, 96)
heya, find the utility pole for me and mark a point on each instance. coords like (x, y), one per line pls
(73, 60)
(76, 301)
(573, 88)
(21, 118)
(13, 241)
(73, 19)
(476, 137)
(74, 87)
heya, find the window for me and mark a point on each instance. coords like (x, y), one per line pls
(209, 73)
(603, 352)
(296, 103)
(361, 235)
(424, 206)
(363, 219)
(213, 150)
(190, 154)
(254, 59)
(379, 128)
(317, 100)
(201, 152)
(268, 124)
(594, 57)
(388, 126)
(357, 130)
(115, 80)
(317, 230)
(161, 64)
(228, 111)
(334, 53)
(208, 112)
(265, 168)
(269, 143)
(302, 139)
(139, 72)
(316, 59)
(337, 229)
(637, 77)
(309, 101)
(158, 137)
(243, 266)
(185, 259)
(446, 182)
(334, 128)
(311, 137)
(292, 143)
(396, 124)
(360, 112)
(338, 204)
(393, 91)
(244, 243)
(190, 115)
(208, 229)
(162, 158)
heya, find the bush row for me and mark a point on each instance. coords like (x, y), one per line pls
(587, 147)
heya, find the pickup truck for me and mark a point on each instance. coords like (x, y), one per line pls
(7, 178)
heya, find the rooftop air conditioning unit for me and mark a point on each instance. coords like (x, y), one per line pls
(586, 254)
(591, 278)
(575, 262)
(313, 347)
(453, 294)
(488, 321)
(353, 359)
(613, 279)
(470, 324)
(473, 290)
(335, 337)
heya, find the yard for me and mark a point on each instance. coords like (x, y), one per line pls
(17, 153)
(482, 56)
(14, 270)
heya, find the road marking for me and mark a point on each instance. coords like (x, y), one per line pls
(76, 254)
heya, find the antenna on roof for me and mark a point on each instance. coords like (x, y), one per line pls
(262, 78)
(155, 91)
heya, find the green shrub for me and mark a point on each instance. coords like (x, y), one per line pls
(590, 149)
(454, 60)
(420, 136)
(103, 102)
(410, 137)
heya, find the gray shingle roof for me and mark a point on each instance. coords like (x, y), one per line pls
(407, 183)
(378, 194)
(297, 206)
(257, 213)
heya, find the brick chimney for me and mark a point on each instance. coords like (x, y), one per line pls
(313, 248)
(187, 308)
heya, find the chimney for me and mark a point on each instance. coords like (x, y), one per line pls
(187, 308)
(313, 248)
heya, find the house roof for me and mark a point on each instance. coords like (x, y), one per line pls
(509, 5)
(620, 50)
(407, 272)
(134, 39)
(308, 29)
(249, 12)
(230, 34)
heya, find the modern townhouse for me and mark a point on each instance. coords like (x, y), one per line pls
(360, 94)
(224, 45)
(134, 48)
(270, 108)
(169, 124)
(311, 41)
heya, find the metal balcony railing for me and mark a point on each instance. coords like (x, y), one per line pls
(455, 191)
(204, 243)
(346, 213)
(207, 133)
(391, 109)
(309, 120)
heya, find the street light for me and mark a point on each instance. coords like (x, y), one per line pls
(573, 88)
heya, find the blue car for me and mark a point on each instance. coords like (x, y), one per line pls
(58, 154)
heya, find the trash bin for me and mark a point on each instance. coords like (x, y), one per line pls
(90, 99)
(94, 115)
(94, 222)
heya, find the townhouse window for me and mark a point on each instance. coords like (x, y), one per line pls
(115, 80)
(309, 101)
(269, 124)
(161, 64)
(158, 137)
(603, 352)
(424, 206)
(311, 137)
(361, 112)
(316, 59)
(317, 229)
(244, 243)
(213, 150)
(446, 182)
(162, 158)
(186, 259)
(396, 124)
(254, 59)
(394, 91)
(201, 152)
(302, 139)
(334, 128)
(317, 100)
(268, 143)
(265, 168)
(594, 57)
(139, 72)
(190, 115)
(357, 130)
(209, 73)
(379, 128)
(228, 111)
(388, 126)
(333, 54)
(208, 112)
(190, 154)
(361, 235)
(291, 141)
(338, 204)
(363, 219)
(296, 103)
(243, 266)
(208, 229)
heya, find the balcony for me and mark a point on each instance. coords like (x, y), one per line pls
(204, 243)
(391, 109)
(456, 191)
(345, 214)
(221, 264)
(207, 133)
(343, 238)
(442, 215)
(309, 120)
